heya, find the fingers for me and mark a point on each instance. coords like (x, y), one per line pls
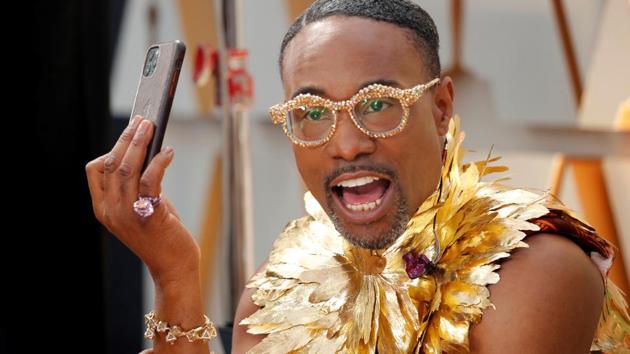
(151, 180)
(114, 158)
(114, 179)
(131, 164)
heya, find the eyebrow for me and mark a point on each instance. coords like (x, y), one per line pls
(314, 90)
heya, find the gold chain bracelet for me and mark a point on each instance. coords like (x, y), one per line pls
(204, 332)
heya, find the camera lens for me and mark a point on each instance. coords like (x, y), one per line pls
(151, 61)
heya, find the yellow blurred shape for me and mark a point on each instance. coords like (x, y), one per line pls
(623, 116)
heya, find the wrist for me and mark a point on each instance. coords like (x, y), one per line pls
(178, 260)
(177, 282)
(182, 273)
(179, 300)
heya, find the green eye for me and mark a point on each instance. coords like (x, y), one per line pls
(315, 113)
(375, 105)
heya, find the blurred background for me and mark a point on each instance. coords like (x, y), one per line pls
(546, 82)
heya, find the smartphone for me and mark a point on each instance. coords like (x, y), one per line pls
(156, 89)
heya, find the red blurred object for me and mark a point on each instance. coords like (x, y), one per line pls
(206, 60)
(240, 82)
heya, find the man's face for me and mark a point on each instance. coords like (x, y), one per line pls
(369, 187)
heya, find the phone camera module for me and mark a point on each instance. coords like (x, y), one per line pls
(151, 63)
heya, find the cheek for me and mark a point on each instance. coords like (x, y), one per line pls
(421, 176)
(420, 162)
(310, 166)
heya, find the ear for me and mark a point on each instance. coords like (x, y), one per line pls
(443, 104)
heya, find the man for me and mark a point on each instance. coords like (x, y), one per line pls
(368, 120)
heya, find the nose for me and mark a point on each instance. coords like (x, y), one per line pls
(348, 142)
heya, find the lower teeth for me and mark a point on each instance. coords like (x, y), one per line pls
(366, 206)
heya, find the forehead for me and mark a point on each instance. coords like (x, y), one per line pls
(338, 54)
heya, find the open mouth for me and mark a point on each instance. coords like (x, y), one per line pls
(363, 197)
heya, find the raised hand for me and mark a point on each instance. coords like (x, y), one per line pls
(116, 182)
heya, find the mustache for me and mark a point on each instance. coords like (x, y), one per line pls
(378, 168)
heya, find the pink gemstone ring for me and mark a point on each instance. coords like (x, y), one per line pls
(145, 206)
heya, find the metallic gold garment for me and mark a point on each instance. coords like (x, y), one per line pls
(321, 294)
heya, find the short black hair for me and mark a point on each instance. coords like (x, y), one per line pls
(402, 13)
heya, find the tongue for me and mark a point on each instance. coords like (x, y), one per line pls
(364, 194)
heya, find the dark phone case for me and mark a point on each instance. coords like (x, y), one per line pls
(155, 93)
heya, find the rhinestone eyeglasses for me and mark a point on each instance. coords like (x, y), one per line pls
(377, 110)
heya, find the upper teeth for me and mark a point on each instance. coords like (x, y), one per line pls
(356, 182)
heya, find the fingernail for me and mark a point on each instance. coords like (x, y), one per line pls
(134, 121)
(144, 127)
(168, 151)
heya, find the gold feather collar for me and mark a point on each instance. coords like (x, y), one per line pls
(321, 294)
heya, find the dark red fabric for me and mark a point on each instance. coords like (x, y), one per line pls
(560, 223)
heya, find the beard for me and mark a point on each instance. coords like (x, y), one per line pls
(398, 221)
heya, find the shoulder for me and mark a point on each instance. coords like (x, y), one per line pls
(548, 300)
